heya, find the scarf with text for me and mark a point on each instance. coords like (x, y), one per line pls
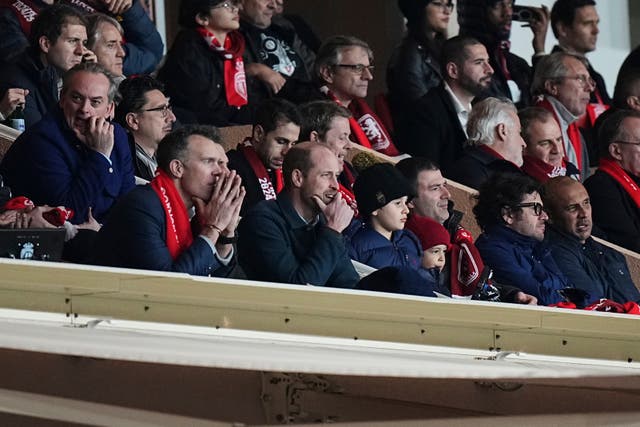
(615, 171)
(261, 172)
(179, 235)
(542, 171)
(235, 80)
(366, 127)
(25, 10)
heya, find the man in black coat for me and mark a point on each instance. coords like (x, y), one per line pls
(435, 127)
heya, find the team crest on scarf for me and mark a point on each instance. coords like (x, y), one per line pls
(240, 80)
(371, 128)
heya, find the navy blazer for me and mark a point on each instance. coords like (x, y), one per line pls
(135, 236)
(51, 166)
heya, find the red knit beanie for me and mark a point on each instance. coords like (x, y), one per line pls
(429, 232)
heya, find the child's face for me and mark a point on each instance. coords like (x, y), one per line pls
(434, 257)
(392, 216)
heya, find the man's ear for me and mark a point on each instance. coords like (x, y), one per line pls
(111, 110)
(326, 72)
(297, 178)
(615, 152)
(201, 19)
(561, 30)
(452, 70)
(633, 102)
(501, 131)
(132, 121)
(551, 87)
(44, 43)
(176, 168)
(314, 136)
(257, 134)
(507, 215)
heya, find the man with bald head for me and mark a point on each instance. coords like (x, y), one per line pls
(588, 265)
(297, 237)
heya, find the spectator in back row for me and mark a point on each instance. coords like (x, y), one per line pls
(495, 143)
(544, 155)
(105, 40)
(414, 66)
(204, 71)
(147, 116)
(297, 238)
(343, 68)
(57, 43)
(435, 126)
(258, 160)
(151, 228)
(74, 156)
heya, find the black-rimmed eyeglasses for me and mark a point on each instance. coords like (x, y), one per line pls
(627, 142)
(164, 110)
(537, 207)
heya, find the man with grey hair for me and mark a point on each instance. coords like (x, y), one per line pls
(495, 143)
(563, 86)
(105, 39)
(344, 69)
(74, 156)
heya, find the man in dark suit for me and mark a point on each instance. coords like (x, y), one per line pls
(436, 126)
(152, 229)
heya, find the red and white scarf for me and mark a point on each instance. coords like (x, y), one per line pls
(261, 172)
(179, 235)
(615, 171)
(366, 128)
(573, 133)
(542, 171)
(235, 80)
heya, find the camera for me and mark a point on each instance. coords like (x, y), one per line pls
(524, 13)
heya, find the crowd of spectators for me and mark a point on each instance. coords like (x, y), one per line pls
(128, 148)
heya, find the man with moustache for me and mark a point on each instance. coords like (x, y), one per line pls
(563, 86)
(435, 127)
(145, 112)
(512, 217)
(74, 157)
(544, 155)
(597, 269)
(154, 227)
(297, 237)
(258, 160)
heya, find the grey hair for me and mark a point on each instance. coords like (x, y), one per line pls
(485, 116)
(93, 68)
(551, 67)
(330, 53)
(94, 22)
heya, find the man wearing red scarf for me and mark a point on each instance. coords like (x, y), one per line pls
(344, 67)
(154, 226)
(615, 187)
(258, 159)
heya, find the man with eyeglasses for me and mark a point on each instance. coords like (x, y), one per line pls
(74, 157)
(510, 213)
(490, 22)
(145, 112)
(614, 189)
(595, 268)
(563, 86)
(344, 68)
(276, 54)
(435, 126)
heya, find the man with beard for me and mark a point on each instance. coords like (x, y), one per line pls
(512, 217)
(563, 86)
(152, 228)
(597, 269)
(490, 22)
(436, 124)
(74, 156)
(297, 237)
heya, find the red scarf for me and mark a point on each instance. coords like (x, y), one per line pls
(260, 170)
(55, 216)
(573, 132)
(179, 235)
(366, 128)
(542, 171)
(347, 191)
(235, 80)
(615, 171)
(501, 51)
(487, 149)
(465, 261)
(25, 10)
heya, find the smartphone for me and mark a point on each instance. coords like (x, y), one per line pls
(524, 13)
